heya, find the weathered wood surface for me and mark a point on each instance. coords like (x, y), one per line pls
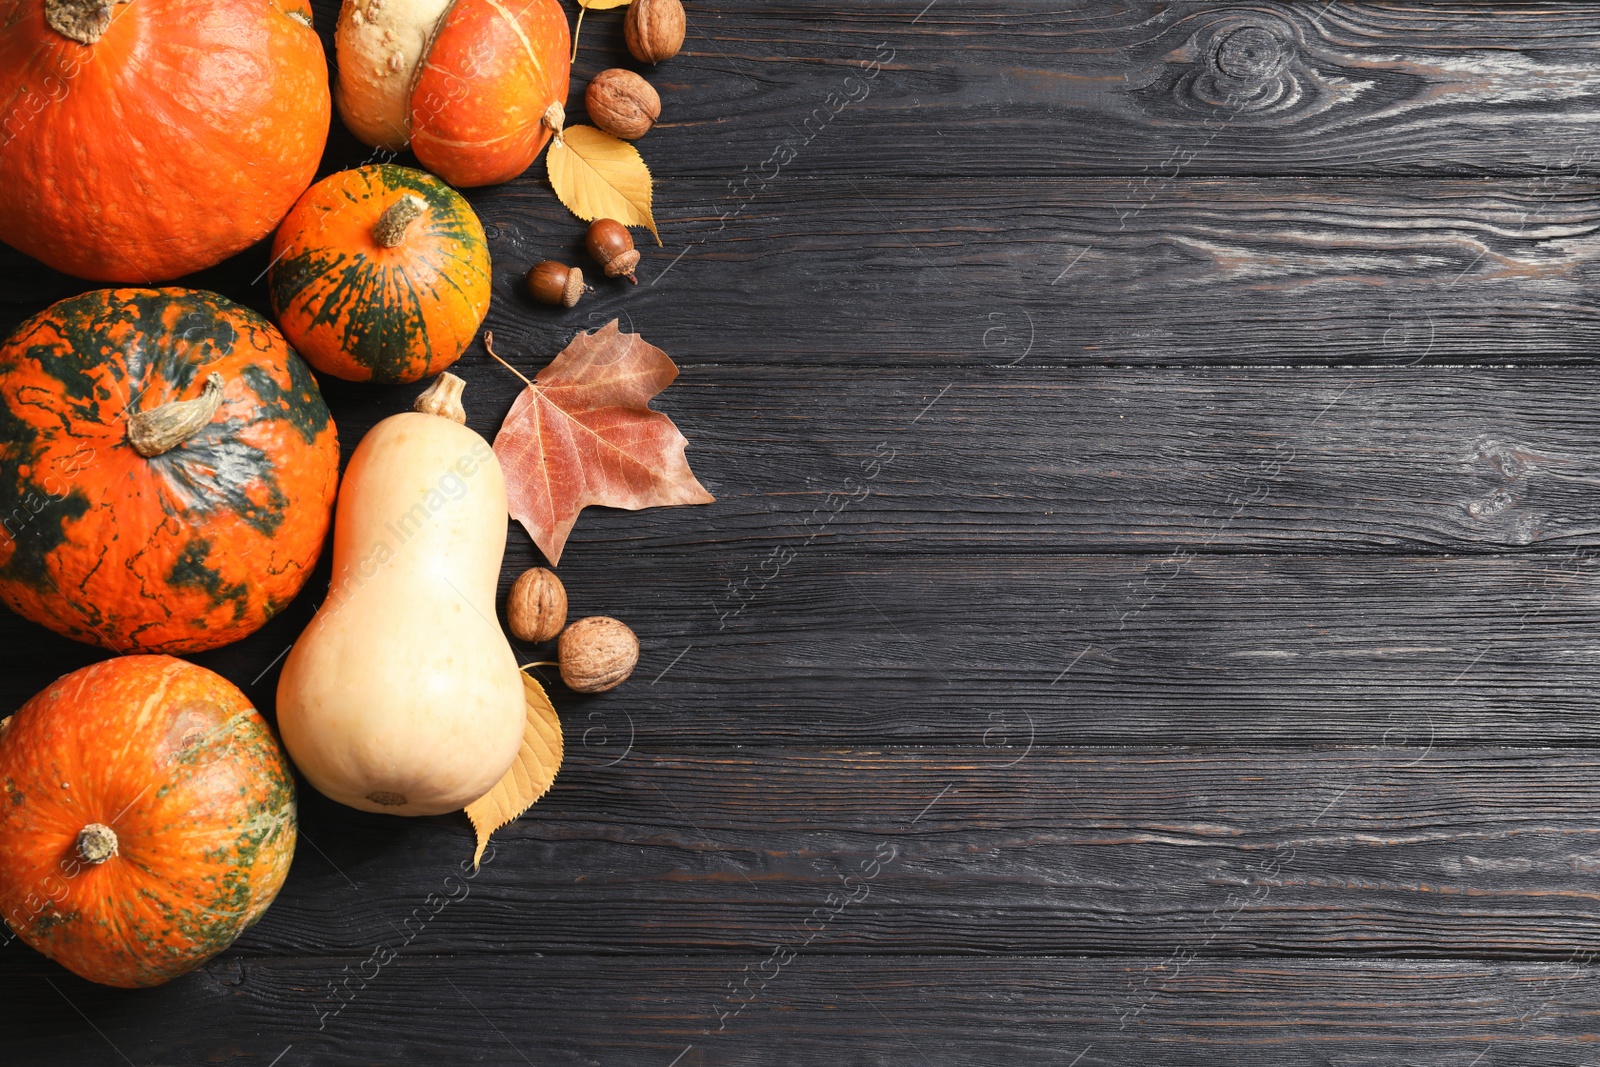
(1155, 89)
(966, 275)
(1036, 460)
(820, 1009)
(1019, 460)
(1200, 437)
(1404, 848)
(836, 650)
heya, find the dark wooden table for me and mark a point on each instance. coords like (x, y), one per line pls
(1150, 615)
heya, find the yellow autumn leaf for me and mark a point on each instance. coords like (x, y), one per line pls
(598, 176)
(530, 776)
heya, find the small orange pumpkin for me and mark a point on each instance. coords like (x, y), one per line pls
(147, 818)
(381, 274)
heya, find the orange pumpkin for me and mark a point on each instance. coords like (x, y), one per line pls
(467, 84)
(380, 273)
(147, 819)
(151, 139)
(167, 470)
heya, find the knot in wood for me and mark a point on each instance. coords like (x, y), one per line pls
(1241, 68)
(1248, 65)
(1251, 54)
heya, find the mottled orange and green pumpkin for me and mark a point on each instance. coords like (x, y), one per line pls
(147, 817)
(381, 274)
(177, 552)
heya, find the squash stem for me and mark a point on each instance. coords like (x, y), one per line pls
(97, 843)
(443, 398)
(163, 428)
(391, 227)
(79, 20)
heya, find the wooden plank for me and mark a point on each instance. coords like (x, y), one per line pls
(1397, 850)
(938, 1011)
(1035, 460)
(979, 274)
(1071, 273)
(1085, 650)
(1046, 461)
(1036, 88)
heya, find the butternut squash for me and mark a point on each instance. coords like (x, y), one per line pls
(403, 695)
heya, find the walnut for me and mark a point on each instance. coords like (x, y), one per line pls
(597, 653)
(536, 610)
(654, 29)
(622, 103)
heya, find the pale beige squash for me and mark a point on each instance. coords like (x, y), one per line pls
(403, 695)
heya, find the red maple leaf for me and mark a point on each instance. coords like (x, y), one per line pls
(583, 433)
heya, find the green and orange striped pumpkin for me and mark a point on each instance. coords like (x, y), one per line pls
(147, 817)
(381, 274)
(173, 543)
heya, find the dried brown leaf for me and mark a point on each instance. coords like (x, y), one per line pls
(583, 433)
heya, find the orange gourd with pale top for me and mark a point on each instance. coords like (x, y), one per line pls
(466, 84)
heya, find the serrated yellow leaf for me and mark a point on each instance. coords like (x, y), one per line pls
(530, 776)
(598, 176)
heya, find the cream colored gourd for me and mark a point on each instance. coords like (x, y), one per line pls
(403, 695)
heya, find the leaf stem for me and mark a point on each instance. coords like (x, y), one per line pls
(582, 7)
(488, 344)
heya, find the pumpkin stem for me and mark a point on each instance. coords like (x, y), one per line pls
(391, 226)
(80, 20)
(443, 398)
(97, 843)
(555, 117)
(160, 429)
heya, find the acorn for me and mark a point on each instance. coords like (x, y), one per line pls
(550, 282)
(611, 245)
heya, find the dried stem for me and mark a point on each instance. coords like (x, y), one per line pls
(488, 344)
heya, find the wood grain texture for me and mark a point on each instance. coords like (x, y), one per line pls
(1397, 849)
(1031, 460)
(970, 275)
(1214, 380)
(978, 274)
(865, 1012)
(1154, 89)
(1045, 461)
(1089, 650)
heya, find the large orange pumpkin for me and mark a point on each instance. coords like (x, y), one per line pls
(466, 83)
(149, 139)
(147, 817)
(167, 470)
(380, 273)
